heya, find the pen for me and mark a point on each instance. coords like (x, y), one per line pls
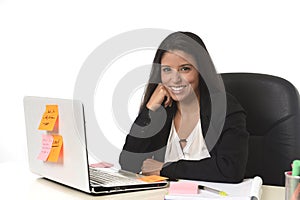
(152, 157)
(222, 193)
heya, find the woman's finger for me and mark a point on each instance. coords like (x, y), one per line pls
(168, 98)
(168, 101)
(158, 97)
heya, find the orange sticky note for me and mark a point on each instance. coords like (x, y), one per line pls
(153, 178)
(47, 141)
(56, 148)
(49, 118)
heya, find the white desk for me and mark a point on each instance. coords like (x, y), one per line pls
(17, 182)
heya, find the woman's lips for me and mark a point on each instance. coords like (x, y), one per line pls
(177, 89)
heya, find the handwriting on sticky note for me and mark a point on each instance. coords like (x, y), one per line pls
(47, 141)
(183, 188)
(56, 148)
(49, 118)
(153, 178)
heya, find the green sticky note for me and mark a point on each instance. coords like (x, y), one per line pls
(296, 168)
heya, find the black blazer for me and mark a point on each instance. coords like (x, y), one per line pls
(150, 132)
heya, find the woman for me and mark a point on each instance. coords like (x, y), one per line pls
(187, 127)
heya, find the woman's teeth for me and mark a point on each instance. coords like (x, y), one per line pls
(177, 88)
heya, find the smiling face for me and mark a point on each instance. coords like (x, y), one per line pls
(180, 75)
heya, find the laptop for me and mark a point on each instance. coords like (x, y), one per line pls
(70, 166)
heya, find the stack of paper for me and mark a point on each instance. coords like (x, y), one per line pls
(246, 190)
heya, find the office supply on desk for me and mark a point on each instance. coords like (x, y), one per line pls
(153, 178)
(183, 187)
(249, 189)
(73, 170)
(296, 168)
(292, 186)
(219, 192)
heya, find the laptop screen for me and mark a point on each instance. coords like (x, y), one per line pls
(70, 167)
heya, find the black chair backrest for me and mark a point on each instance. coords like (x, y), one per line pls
(272, 106)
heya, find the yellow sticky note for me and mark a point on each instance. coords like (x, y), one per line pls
(49, 118)
(153, 178)
(56, 148)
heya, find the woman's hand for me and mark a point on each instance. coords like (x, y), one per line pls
(157, 98)
(151, 167)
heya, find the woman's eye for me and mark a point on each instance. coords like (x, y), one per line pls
(166, 69)
(184, 69)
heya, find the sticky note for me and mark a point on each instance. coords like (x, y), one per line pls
(153, 178)
(184, 187)
(56, 148)
(47, 141)
(101, 165)
(49, 118)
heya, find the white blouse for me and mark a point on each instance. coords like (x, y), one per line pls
(195, 148)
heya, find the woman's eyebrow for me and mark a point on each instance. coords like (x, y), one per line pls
(186, 64)
(164, 65)
(181, 65)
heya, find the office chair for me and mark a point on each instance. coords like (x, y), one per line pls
(273, 113)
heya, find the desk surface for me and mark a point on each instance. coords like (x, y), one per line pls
(18, 182)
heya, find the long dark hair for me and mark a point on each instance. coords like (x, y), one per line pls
(193, 45)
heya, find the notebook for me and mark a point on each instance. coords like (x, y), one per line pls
(249, 189)
(57, 149)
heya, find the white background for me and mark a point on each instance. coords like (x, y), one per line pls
(43, 44)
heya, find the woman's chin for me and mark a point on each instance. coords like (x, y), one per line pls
(183, 97)
(178, 97)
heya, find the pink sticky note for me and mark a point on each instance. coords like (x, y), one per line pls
(184, 187)
(47, 141)
(102, 165)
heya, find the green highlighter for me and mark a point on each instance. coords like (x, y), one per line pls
(296, 168)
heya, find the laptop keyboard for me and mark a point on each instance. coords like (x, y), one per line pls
(109, 179)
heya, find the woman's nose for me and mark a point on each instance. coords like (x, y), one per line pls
(176, 77)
